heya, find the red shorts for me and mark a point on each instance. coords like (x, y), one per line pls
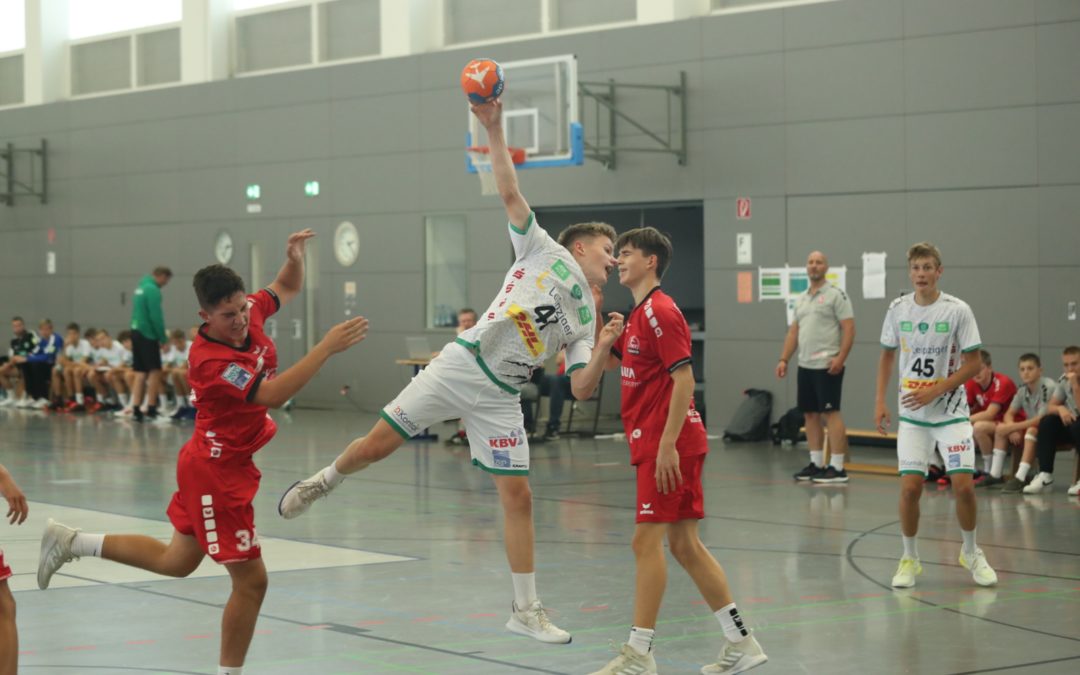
(685, 503)
(213, 502)
(5, 571)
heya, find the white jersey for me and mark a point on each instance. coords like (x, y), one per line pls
(545, 306)
(111, 356)
(80, 351)
(1033, 403)
(930, 340)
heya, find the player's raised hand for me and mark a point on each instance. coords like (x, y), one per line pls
(489, 114)
(17, 506)
(297, 244)
(345, 335)
(612, 329)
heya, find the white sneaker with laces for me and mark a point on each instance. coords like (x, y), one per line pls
(533, 622)
(1041, 483)
(629, 662)
(737, 657)
(7, 402)
(1075, 490)
(301, 495)
(55, 551)
(981, 572)
(906, 571)
(40, 403)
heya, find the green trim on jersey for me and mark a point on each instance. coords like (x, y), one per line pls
(501, 472)
(392, 423)
(576, 366)
(907, 472)
(475, 349)
(952, 471)
(920, 423)
(970, 349)
(524, 230)
(890, 348)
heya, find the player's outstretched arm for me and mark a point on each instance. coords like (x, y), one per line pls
(274, 393)
(517, 209)
(290, 278)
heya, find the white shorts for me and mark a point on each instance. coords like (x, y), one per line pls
(453, 386)
(915, 447)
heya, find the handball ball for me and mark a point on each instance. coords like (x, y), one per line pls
(482, 81)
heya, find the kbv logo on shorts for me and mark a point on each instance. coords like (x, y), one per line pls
(510, 440)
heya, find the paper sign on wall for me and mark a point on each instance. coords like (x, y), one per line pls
(744, 248)
(745, 288)
(873, 275)
(50, 262)
(781, 283)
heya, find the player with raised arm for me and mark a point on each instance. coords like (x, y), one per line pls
(938, 341)
(234, 379)
(545, 305)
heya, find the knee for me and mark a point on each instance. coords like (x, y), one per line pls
(910, 493)
(517, 498)
(252, 585)
(683, 549)
(643, 545)
(964, 491)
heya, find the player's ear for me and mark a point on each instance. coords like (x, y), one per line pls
(203, 315)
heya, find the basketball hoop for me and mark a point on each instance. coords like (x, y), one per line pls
(481, 161)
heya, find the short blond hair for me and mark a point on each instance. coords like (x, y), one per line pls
(924, 249)
(582, 230)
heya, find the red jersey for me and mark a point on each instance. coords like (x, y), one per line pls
(224, 380)
(655, 342)
(1000, 390)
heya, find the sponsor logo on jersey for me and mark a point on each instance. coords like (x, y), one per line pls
(941, 327)
(398, 414)
(561, 270)
(526, 329)
(540, 280)
(912, 464)
(500, 459)
(959, 447)
(584, 315)
(930, 351)
(575, 292)
(912, 384)
(923, 327)
(511, 440)
(633, 345)
(905, 327)
(628, 373)
(954, 461)
(646, 509)
(237, 376)
(693, 416)
(635, 434)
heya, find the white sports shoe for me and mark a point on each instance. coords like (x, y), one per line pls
(981, 572)
(1075, 490)
(906, 571)
(737, 657)
(24, 403)
(301, 495)
(629, 662)
(1039, 484)
(533, 622)
(8, 402)
(40, 403)
(55, 551)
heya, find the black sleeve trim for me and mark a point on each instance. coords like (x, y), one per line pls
(617, 353)
(277, 300)
(250, 398)
(679, 364)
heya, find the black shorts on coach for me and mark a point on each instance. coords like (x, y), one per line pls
(819, 392)
(145, 353)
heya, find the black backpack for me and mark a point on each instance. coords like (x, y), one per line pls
(751, 419)
(788, 426)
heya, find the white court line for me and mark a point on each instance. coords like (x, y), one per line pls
(21, 546)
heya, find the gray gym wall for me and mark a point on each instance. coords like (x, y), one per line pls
(854, 126)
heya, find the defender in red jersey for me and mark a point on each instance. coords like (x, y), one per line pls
(9, 635)
(234, 380)
(988, 395)
(668, 447)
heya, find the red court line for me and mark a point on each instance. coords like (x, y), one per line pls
(427, 619)
(596, 608)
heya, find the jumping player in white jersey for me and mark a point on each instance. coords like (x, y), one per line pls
(546, 305)
(939, 351)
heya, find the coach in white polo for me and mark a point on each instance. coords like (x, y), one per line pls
(823, 331)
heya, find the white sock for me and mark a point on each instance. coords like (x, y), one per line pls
(641, 639)
(998, 464)
(910, 549)
(332, 476)
(1047, 478)
(79, 398)
(125, 399)
(988, 461)
(817, 457)
(837, 462)
(85, 544)
(230, 670)
(731, 622)
(969, 542)
(162, 400)
(1022, 471)
(524, 589)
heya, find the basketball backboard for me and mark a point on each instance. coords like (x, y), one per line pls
(540, 113)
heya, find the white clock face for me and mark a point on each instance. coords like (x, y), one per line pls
(346, 244)
(223, 247)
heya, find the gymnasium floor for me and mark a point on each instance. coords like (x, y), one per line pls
(402, 569)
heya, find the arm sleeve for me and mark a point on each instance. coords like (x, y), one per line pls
(1006, 394)
(156, 316)
(842, 306)
(1017, 401)
(889, 339)
(531, 239)
(967, 333)
(672, 336)
(267, 301)
(579, 353)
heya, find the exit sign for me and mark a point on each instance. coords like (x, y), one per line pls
(311, 188)
(253, 191)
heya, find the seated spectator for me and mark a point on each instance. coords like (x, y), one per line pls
(1021, 425)
(12, 375)
(77, 374)
(65, 361)
(175, 366)
(557, 388)
(1060, 424)
(988, 395)
(121, 378)
(39, 364)
(108, 354)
